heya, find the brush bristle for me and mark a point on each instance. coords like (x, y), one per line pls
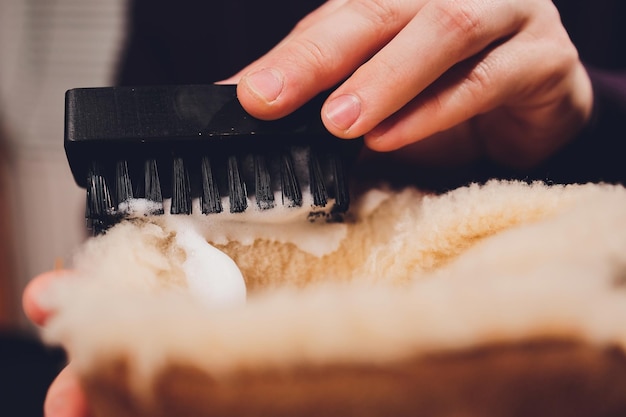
(318, 188)
(236, 187)
(237, 177)
(184, 143)
(340, 182)
(210, 198)
(181, 188)
(152, 186)
(292, 194)
(123, 185)
(263, 183)
(100, 212)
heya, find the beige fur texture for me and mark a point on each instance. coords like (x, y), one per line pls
(416, 273)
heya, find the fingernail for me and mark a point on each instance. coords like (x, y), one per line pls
(343, 111)
(266, 84)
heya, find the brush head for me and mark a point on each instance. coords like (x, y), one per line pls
(179, 143)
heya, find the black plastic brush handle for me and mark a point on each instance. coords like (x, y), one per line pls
(197, 141)
(109, 121)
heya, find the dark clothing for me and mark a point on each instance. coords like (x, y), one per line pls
(27, 369)
(597, 29)
(190, 41)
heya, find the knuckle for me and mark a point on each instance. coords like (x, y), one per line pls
(319, 58)
(381, 13)
(564, 48)
(391, 71)
(460, 17)
(480, 76)
(554, 41)
(569, 56)
(564, 61)
(479, 82)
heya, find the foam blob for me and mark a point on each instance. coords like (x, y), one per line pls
(211, 275)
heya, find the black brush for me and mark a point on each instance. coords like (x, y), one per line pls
(196, 141)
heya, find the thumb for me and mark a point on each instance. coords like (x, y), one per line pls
(35, 291)
(65, 396)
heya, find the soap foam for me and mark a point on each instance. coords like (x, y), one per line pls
(211, 275)
(281, 224)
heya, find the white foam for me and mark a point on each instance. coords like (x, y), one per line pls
(211, 275)
(279, 224)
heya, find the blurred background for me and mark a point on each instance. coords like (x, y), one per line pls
(46, 47)
(50, 46)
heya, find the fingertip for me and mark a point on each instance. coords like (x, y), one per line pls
(341, 113)
(65, 397)
(260, 93)
(32, 295)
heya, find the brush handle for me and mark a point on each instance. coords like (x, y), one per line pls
(183, 112)
(102, 123)
(197, 141)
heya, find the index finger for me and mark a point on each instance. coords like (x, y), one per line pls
(321, 54)
(309, 20)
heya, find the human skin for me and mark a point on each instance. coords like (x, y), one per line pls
(494, 78)
(446, 80)
(65, 397)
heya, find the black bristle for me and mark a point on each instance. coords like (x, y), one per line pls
(99, 200)
(211, 200)
(342, 193)
(316, 181)
(263, 184)
(154, 142)
(292, 194)
(123, 186)
(152, 185)
(99, 209)
(236, 187)
(181, 188)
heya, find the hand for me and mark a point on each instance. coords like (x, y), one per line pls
(65, 397)
(495, 78)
